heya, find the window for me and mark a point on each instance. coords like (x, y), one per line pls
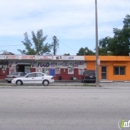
(90, 72)
(38, 74)
(15, 73)
(22, 74)
(31, 75)
(119, 70)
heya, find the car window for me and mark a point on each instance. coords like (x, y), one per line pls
(90, 72)
(22, 74)
(31, 75)
(14, 73)
(38, 75)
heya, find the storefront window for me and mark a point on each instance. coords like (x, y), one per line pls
(70, 70)
(119, 70)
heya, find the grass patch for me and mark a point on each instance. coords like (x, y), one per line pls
(89, 85)
(5, 84)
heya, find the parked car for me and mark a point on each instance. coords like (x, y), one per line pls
(34, 78)
(14, 75)
(89, 76)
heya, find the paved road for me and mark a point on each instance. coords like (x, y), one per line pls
(63, 109)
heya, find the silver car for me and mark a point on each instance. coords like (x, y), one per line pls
(14, 75)
(34, 78)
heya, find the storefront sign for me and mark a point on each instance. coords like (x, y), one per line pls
(64, 57)
(43, 64)
(28, 57)
(2, 57)
(58, 64)
(70, 70)
(11, 56)
(79, 58)
(43, 57)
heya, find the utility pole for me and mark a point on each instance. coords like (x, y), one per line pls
(55, 45)
(54, 48)
(96, 34)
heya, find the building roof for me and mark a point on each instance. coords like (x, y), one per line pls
(108, 58)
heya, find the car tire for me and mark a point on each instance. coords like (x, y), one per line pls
(19, 82)
(45, 83)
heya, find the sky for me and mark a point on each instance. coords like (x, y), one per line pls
(71, 21)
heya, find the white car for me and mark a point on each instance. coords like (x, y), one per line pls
(34, 78)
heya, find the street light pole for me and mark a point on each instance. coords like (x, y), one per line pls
(96, 37)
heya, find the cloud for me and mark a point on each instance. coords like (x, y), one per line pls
(67, 19)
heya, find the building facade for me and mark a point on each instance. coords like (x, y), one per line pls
(111, 68)
(61, 67)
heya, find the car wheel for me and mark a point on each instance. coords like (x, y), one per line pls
(45, 83)
(19, 82)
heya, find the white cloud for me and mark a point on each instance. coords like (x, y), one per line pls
(67, 19)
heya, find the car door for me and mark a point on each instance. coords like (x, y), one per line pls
(38, 78)
(29, 79)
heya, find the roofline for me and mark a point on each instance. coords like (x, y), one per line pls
(107, 58)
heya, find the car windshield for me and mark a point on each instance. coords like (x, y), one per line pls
(14, 73)
(90, 72)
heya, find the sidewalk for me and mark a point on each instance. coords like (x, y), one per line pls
(69, 84)
(56, 84)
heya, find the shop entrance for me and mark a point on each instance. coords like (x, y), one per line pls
(23, 68)
(20, 68)
(104, 72)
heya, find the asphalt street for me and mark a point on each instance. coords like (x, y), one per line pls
(63, 109)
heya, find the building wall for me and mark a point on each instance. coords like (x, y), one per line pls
(65, 69)
(66, 66)
(90, 65)
(3, 73)
(65, 76)
(110, 62)
(3, 69)
(110, 70)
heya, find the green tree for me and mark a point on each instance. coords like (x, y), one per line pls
(55, 45)
(120, 43)
(127, 21)
(103, 45)
(37, 45)
(85, 51)
(67, 54)
(7, 53)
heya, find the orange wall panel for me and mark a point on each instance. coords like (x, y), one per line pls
(110, 70)
(90, 65)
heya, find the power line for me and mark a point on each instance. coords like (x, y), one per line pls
(68, 46)
(49, 38)
(11, 45)
(14, 44)
(64, 44)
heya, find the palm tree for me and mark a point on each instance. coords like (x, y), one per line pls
(38, 46)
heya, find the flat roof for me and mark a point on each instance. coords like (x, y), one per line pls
(108, 58)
